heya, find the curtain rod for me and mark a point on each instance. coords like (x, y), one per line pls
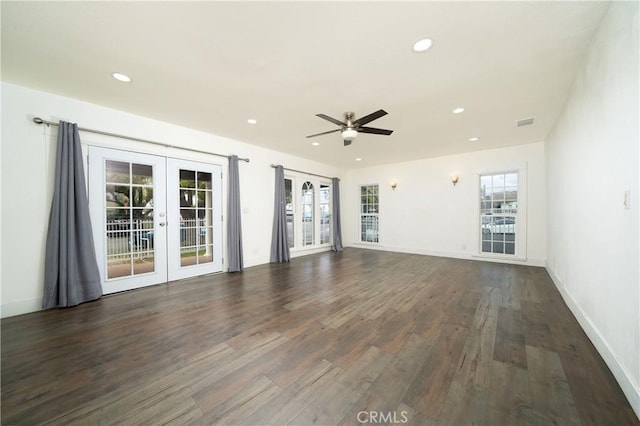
(39, 120)
(300, 171)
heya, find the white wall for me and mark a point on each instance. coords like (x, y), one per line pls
(426, 214)
(28, 155)
(592, 159)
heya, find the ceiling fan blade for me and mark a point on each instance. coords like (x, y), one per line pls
(369, 118)
(324, 133)
(374, 131)
(331, 119)
(347, 143)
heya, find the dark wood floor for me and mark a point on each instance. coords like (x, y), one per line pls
(331, 338)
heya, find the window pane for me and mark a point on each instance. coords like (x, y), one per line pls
(369, 229)
(485, 182)
(485, 207)
(511, 179)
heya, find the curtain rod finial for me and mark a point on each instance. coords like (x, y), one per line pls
(38, 120)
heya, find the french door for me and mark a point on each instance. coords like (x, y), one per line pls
(196, 222)
(154, 219)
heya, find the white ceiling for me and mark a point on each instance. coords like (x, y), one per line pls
(212, 65)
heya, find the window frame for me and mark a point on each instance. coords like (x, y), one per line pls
(329, 205)
(297, 180)
(361, 214)
(291, 242)
(306, 207)
(520, 246)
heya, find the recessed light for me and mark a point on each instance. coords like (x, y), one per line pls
(458, 110)
(121, 77)
(422, 45)
(252, 121)
(473, 139)
(358, 159)
(315, 143)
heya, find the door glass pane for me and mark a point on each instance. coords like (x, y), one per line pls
(129, 218)
(187, 179)
(206, 254)
(204, 180)
(117, 172)
(142, 174)
(196, 217)
(142, 196)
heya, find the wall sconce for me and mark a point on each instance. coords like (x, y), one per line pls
(394, 184)
(454, 178)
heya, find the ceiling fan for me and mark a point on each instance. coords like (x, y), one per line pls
(350, 128)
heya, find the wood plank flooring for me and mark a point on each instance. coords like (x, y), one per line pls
(360, 336)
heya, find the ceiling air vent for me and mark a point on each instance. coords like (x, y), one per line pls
(525, 122)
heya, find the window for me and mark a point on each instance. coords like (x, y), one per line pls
(288, 197)
(325, 214)
(308, 206)
(369, 208)
(499, 213)
(308, 235)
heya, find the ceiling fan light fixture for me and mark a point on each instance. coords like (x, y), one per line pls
(349, 134)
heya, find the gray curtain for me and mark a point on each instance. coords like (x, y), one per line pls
(279, 240)
(234, 224)
(71, 273)
(335, 216)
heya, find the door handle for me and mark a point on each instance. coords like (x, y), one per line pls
(162, 223)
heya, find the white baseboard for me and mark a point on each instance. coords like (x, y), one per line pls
(452, 254)
(625, 380)
(12, 309)
(305, 252)
(262, 260)
(255, 261)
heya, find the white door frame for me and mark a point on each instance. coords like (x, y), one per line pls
(164, 242)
